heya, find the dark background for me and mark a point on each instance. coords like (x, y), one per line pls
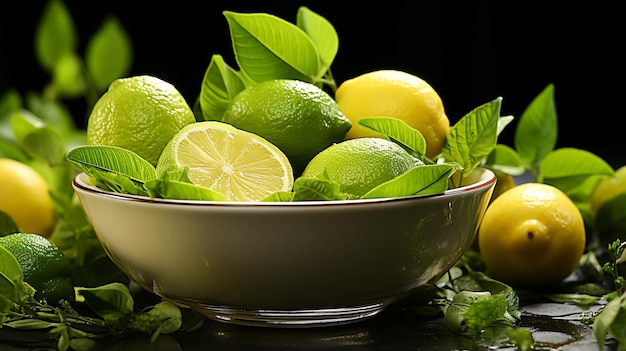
(470, 51)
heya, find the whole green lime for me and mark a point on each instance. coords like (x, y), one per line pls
(298, 117)
(359, 165)
(141, 114)
(45, 267)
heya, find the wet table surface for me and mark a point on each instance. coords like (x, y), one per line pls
(554, 326)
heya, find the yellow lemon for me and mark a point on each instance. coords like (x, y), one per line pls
(24, 196)
(532, 235)
(399, 95)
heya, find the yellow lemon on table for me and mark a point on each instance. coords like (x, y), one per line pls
(397, 94)
(240, 165)
(24, 195)
(532, 235)
(359, 165)
(141, 114)
(298, 117)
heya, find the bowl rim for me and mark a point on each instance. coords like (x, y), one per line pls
(80, 184)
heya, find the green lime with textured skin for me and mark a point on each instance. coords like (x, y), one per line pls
(298, 117)
(140, 114)
(359, 165)
(45, 267)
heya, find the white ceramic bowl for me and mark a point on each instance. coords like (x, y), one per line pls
(287, 264)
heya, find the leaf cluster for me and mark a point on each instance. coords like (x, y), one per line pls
(268, 47)
(112, 305)
(468, 144)
(38, 129)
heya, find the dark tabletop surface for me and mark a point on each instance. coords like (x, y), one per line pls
(554, 326)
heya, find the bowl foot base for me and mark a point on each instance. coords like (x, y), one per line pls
(287, 318)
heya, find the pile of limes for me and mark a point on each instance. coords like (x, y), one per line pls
(532, 234)
(272, 132)
(277, 130)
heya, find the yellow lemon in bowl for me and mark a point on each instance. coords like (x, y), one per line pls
(397, 94)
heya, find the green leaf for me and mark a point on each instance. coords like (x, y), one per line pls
(164, 318)
(569, 162)
(53, 113)
(113, 159)
(618, 327)
(112, 302)
(573, 171)
(504, 158)
(220, 85)
(316, 189)
(115, 182)
(67, 76)
(109, 53)
(7, 224)
(56, 35)
(398, 131)
(322, 33)
(5, 306)
(9, 149)
(574, 298)
(25, 122)
(31, 324)
(484, 312)
(11, 276)
(474, 136)
(169, 187)
(478, 281)
(536, 131)
(603, 320)
(504, 121)
(455, 313)
(46, 143)
(267, 47)
(420, 180)
(279, 196)
(10, 101)
(37, 138)
(522, 338)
